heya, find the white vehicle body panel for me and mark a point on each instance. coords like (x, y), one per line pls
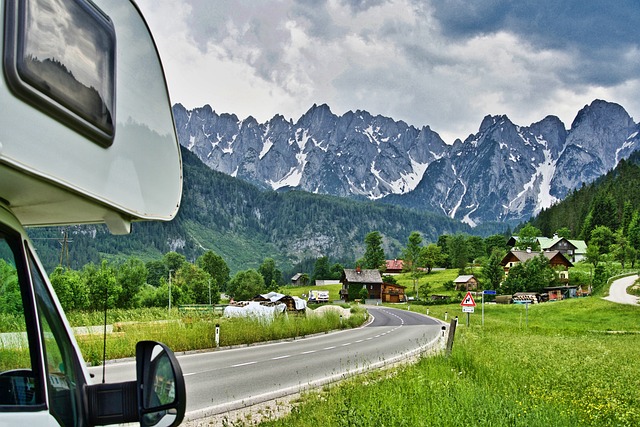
(51, 174)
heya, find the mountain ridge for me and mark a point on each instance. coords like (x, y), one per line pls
(504, 172)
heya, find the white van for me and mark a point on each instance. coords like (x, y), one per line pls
(86, 136)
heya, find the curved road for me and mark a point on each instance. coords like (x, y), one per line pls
(224, 380)
(618, 291)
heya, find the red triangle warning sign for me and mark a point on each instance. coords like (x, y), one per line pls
(468, 301)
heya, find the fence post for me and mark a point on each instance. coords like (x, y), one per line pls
(452, 333)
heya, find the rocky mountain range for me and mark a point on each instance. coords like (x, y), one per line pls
(505, 172)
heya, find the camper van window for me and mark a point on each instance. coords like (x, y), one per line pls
(61, 365)
(60, 56)
(20, 384)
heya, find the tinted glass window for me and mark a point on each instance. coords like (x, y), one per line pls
(64, 58)
(61, 363)
(19, 381)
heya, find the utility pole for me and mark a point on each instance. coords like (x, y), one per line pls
(64, 248)
(170, 271)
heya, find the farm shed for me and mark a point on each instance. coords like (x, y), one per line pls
(558, 293)
(466, 282)
(297, 279)
(527, 297)
(292, 303)
(393, 293)
(504, 299)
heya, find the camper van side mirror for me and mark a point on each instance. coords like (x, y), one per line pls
(156, 398)
(162, 395)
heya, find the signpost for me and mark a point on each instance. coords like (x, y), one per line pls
(468, 305)
(485, 292)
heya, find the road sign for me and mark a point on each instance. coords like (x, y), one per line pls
(488, 292)
(466, 309)
(468, 301)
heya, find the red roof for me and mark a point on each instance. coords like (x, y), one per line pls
(395, 264)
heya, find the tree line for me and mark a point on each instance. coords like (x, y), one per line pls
(171, 280)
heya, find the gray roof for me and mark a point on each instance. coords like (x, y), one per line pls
(363, 276)
(463, 279)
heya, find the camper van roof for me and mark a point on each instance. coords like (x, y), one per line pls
(57, 164)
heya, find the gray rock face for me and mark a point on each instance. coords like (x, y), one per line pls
(503, 172)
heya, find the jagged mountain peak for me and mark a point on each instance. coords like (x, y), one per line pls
(503, 172)
(491, 121)
(602, 113)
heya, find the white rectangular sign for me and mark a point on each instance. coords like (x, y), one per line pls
(467, 309)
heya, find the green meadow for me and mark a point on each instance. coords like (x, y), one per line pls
(567, 363)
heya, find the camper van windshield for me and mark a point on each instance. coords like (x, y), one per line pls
(65, 50)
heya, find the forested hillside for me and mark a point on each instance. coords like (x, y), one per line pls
(614, 197)
(245, 225)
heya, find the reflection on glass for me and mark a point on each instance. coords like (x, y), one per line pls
(18, 385)
(162, 391)
(68, 53)
(164, 383)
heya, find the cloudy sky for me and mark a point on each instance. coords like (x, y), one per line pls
(442, 63)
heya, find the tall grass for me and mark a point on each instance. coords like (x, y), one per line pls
(198, 332)
(116, 315)
(573, 363)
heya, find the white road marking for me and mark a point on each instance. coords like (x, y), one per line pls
(244, 364)
(281, 357)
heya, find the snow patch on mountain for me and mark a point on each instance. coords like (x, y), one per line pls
(291, 179)
(484, 178)
(545, 170)
(265, 148)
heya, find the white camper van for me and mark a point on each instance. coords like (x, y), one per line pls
(86, 136)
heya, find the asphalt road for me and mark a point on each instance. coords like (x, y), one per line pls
(228, 379)
(618, 291)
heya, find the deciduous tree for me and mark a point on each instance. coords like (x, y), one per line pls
(432, 256)
(271, 275)
(492, 271)
(245, 285)
(528, 238)
(102, 285)
(322, 270)
(217, 268)
(603, 237)
(131, 277)
(413, 256)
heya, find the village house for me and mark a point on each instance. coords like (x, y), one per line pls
(358, 278)
(371, 280)
(556, 259)
(394, 266)
(573, 250)
(466, 282)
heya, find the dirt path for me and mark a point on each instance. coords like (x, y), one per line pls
(618, 291)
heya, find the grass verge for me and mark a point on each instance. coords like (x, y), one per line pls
(198, 332)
